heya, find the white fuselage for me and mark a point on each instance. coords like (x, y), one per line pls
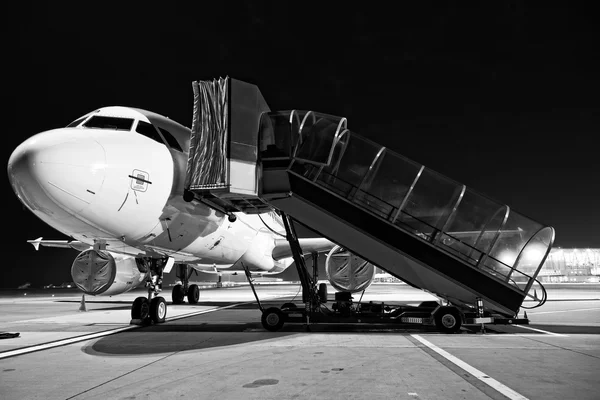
(111, 177)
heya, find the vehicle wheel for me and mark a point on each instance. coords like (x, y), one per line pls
(287, 306)
(193, 294)
(323, 292)
(272, 319)
(448, 319)
(140, 309)
(177, 295)
(158, 309)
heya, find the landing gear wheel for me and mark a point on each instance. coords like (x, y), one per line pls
(158, 309)
(193, 294)
(177, 294)
(288, 306)
(140, 309)
(323, 293)
(448, 319)
(272, 319)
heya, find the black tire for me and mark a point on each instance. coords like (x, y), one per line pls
(272, 319)
(448, 319)
(177, 294)
(158, 309)
(288, 306)
(140, 309)
(323, 292)
(193, 294)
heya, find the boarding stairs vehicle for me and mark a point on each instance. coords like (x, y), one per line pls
(478, 255)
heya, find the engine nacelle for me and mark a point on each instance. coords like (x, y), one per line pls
(260, 253)
(348, 272)
(100, 272)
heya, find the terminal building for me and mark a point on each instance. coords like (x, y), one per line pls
(561, 265)
(571, 265)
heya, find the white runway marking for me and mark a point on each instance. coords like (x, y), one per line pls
(505, 390)
(64, 342)
(553, 312)
(503, 335)
(539, 330)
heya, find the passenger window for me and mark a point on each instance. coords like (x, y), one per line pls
(148, 130)
(102, 122)
(170, 139)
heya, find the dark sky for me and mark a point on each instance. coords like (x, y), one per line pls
(502, 97)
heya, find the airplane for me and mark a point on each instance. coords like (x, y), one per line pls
(113, 181)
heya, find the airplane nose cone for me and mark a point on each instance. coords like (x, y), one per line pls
(57, 171)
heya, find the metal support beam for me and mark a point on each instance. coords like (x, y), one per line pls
(305, 279)
(315, 260)
(251, 282)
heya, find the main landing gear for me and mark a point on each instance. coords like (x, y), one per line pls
(179, 292)
(152, 308)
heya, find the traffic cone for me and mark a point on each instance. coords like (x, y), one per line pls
(82, 305)
(525, 315)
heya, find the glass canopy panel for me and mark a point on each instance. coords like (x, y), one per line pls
(339, 149)
(327, 175)
(317, 134)
(317, 140)
(430, 203)
(532, 256)
(391, 178)
(517, 231)
(356, 159)
(474, 225)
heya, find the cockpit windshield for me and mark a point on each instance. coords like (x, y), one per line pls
(76, 122)
(115, 123)
(170, 139)
(148, 130)
(125, 124)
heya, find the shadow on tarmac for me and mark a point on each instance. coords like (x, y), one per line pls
(155, 339)
(160, 339)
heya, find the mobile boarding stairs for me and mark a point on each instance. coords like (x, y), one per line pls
(429, 231)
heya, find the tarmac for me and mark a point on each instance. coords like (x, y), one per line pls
(66, 349)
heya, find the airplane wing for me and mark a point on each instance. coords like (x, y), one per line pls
(66, 244)
(309, 245)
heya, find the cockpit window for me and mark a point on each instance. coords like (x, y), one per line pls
(170, 139)
(103, 122)
(76, 122)
(148, 130)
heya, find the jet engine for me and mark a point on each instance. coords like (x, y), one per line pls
(348, 272)
(101, 272)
